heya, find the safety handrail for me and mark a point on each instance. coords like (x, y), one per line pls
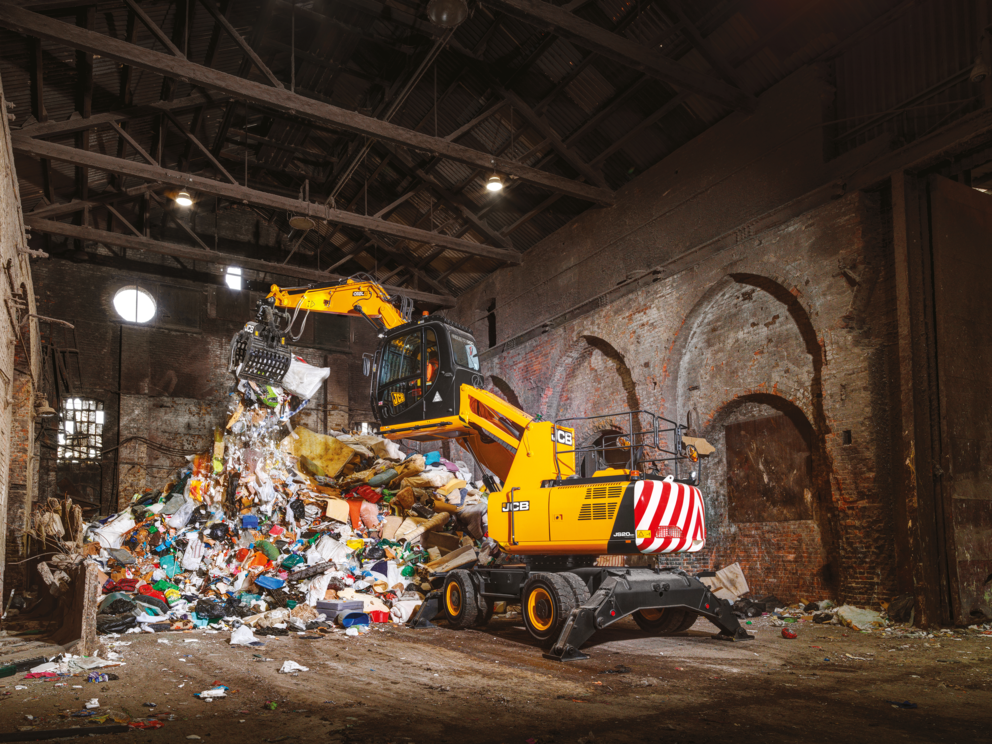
(633, 441)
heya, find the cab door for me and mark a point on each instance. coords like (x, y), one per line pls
(399, 382)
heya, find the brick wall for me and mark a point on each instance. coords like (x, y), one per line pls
(796, 318)
(19, 365)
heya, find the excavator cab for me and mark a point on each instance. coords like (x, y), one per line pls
(419, 368)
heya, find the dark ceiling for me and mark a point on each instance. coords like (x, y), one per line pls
(500, 84)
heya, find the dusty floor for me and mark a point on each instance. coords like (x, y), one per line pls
(440, 685)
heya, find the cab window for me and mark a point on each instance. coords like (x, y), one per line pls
(466, 355)
(401, 360)
(432, 358)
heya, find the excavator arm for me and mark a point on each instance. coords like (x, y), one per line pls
(366, 299)
(259, 352)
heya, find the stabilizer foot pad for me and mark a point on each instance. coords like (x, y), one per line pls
(569, 654)
(740, 635)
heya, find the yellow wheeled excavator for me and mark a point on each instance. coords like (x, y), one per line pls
(633, 494)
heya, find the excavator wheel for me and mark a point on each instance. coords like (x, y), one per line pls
(485, 613)
(662, 621)
(460, 607)
(546, 601)
(579, 588)
(688, 622)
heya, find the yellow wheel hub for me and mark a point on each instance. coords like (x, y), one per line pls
(453, 599)
(652, 615)
(540, 609)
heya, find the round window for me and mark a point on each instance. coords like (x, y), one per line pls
(134, 304)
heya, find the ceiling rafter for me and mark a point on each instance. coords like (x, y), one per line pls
(623, 50)
(189, 253)
(27, 22)
(41, 148)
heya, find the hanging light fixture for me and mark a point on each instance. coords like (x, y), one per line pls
(980, 71)
(183, 199)
(495, 183)
(41, 407)
(447, 13)
(300, 221)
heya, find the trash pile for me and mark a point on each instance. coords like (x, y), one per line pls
(280, 529)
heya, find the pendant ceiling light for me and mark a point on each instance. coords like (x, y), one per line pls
(183, 199)
(495, 183)
(301, 222)
(447, 13)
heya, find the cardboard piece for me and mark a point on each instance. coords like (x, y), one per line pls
(729, 583)
(441, 540)
(703, 447)
(337, 509)
(327, 452)
(390, 526)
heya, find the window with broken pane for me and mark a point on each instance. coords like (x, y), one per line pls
(80, 430)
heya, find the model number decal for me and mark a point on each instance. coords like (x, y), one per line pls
(516, 506)
(358, 293)
(561, 436)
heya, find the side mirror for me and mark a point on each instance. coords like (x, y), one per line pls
(366, 364)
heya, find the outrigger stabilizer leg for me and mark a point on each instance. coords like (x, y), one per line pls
(627, 590)
(429, 609)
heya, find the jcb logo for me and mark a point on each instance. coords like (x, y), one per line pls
(516, 506)
(561, 436)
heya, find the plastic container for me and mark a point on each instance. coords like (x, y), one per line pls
(269, 582)
(355, 618)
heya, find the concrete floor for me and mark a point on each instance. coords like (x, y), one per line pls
(398, 685)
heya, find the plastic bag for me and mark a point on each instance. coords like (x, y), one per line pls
(304, 380)
(111, 534)
(182, 515)
(193, 554)
(243, 637)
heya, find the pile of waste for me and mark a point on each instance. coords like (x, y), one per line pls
(283, 529)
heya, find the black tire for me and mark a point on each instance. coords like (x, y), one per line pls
(662, 621)
(579, 588)
(459, 601)
(485, 613)
(546, 602)
(688, 622)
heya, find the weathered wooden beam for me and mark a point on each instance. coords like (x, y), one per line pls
(654, 118)
(34, 24)
(175, 250)
(544, 129)
(704, 47)
(623, 50)
(163, 39)
(239, 40)
(70, 126)
(182, 225)
(131, 141)
(200, 146)
(457, 202)
(235, 192)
